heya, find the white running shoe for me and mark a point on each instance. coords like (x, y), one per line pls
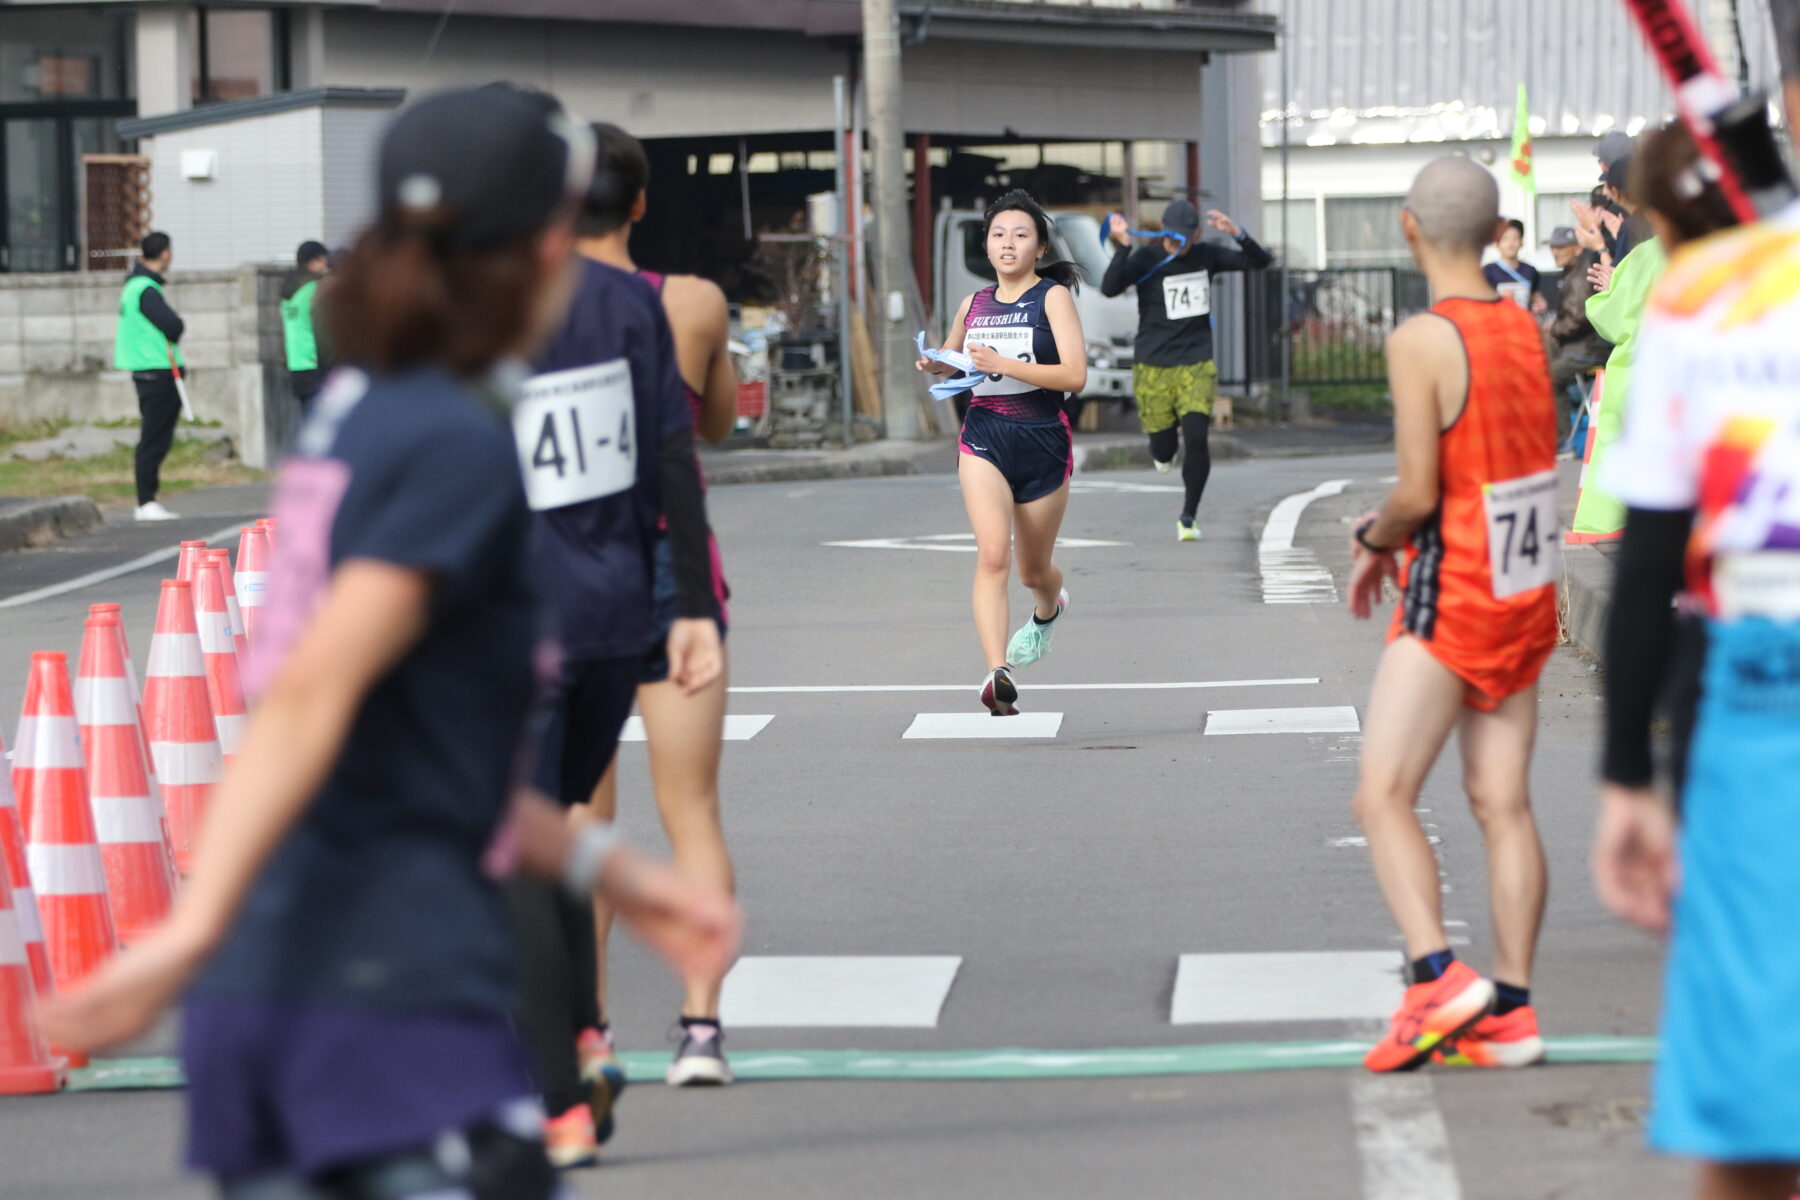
(155, 512)
(1163, 468)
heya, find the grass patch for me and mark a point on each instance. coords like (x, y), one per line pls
(108, 478)
(30, 431)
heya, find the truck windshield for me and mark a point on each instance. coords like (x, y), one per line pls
(1081, 236)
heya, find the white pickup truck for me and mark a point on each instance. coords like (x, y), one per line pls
(962, 267)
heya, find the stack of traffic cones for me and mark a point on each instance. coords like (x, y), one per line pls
(60, 844)
(137, 698)
(17, 873)
(190, 555)
(252, 575)
(224, 689)
(178, 717)
(229, 577)
(128, 819)
(25, 1062)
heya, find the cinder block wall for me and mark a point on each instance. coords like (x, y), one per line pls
(56, 351)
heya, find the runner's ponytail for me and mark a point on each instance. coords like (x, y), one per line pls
(1019, 200)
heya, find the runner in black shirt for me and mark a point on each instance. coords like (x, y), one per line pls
(1173, 373)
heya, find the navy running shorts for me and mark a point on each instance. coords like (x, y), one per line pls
(1036, 457)
(287, 1086)
(588, 706)
(663, 595)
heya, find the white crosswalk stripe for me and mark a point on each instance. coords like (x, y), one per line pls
(1218, 989)
(739, 727)
(1230, 721)
(838, 991)
(983, 725)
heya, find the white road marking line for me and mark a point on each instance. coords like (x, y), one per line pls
(1102, 485)
(1291, 576)
(838, 991)
(738, 728)
(1218, 989)
(955, 543)
(106, 573)
(983, 725)
(1401, 1139)
(1336, 719)
(823, 688)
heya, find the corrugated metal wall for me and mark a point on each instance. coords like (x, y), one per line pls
(352, 136)
(1418, 70)
(264, 202)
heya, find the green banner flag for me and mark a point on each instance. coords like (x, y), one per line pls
(1521, 147)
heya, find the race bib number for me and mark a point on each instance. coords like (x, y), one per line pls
(576, 435)
(1524, 539)
(1013, 341)
(1187, 295)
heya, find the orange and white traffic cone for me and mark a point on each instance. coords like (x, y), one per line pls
(229, 577)
(184, 742)
(224, 688)
(60, 844)
(17, 869)
(269, 524)
(127, 815)
(137, 699)
(26, 1065)
(252, 575)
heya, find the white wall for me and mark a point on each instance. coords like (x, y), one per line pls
(352, 140)
(1319, 172)
(652, 81)
(264, 201)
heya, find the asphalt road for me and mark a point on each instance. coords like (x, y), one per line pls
(1064, 875)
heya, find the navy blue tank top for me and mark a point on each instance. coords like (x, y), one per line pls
(1018, 330)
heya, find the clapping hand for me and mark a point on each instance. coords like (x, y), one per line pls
(1223, 223)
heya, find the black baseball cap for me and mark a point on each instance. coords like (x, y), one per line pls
(1612, 145)
(309, 251)
(481, 166)
(1181, 217)
(1617, 172)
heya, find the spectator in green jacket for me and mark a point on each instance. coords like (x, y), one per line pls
(299, 298)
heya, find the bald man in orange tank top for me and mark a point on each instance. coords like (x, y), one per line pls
(1470, 533)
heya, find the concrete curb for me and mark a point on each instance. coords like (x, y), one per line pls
(1587, 596)
(25, 523)
(1103, 453)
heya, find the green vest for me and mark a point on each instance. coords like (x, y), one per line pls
(297, 324)
(138, 345)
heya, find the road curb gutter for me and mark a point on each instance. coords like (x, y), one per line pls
(28, 523)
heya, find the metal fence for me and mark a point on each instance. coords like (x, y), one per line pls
(1334, 322)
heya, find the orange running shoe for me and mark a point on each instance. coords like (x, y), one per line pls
(1431, 1014)
(1509, 1041)
(604, 1077)
(569, 1139)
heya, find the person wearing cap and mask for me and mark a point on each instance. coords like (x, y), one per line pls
(1173, 373)
(350, 1032)
(1576, 350)
(299, 297)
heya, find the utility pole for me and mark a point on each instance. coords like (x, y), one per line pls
(893, 252)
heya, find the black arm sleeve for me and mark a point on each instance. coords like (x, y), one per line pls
(1640, 637)
(157, 311)
(684, 504)
(1118, 273)
(1251, 256)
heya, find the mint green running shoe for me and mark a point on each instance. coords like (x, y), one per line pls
(1032, 641)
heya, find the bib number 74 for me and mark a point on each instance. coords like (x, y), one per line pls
(1524, 538)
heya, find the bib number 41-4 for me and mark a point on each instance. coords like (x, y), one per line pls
(576, 435)
(1524, 538)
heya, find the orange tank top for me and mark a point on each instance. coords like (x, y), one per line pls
(1479, 581)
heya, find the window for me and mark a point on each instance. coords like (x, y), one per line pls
(238, 52)
(49, 55)
(1364, 231)
(975, 257)
(1298, 247)
(1553, 210)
